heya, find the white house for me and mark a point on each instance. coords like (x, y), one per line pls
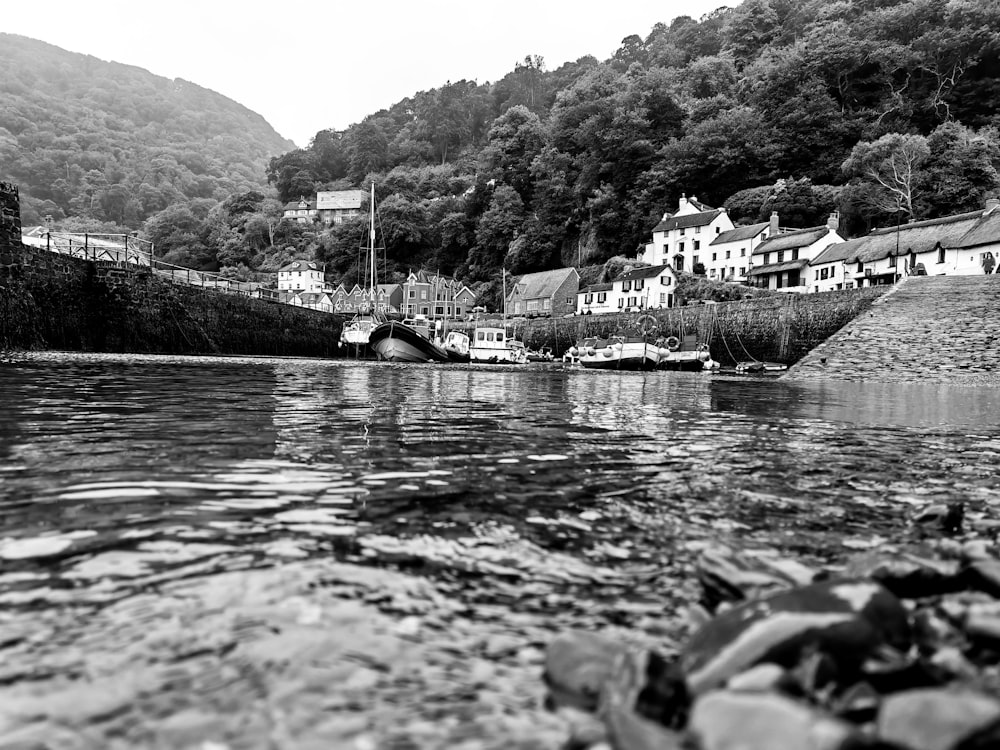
(957, 245)
(301, 276)
(649, 287)
(682, 239)
(729, 254)
(781, 261)
(303, 211)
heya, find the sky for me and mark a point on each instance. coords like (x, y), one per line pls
(309, 66)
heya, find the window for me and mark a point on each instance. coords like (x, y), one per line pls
(569, 300)
(697, 244)
(695, 260)
(892, 261)
(861, 266)
(679, 263)
(728, 253)
(663, 298)
(781, 256)
(546, 303)
(680, 247)
(682, 231)
(621, 302)
(743, 252)
(714, 256)
(639, 284)
(795, 253)
(665, 280)
(940, 256)
(767, 258)
(438, 310)
(425, 310)
(743, 271)
(632, 301)
(718, 229)
(824, 273)
(626, 286)
(697, 230)
(588, 298)
(602, 297)
(411, 294)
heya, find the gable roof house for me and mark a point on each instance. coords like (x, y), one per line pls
(596, 299)
(681, 239)
(730, 253)
(954, 245)
(303, 211)
(780, 261)
(546, 293)
(301, 276)
(333, 206)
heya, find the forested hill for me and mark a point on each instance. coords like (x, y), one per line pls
(108, 143)
(799, 106)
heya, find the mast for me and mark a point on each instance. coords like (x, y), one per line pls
(371, 247)
(503, 287)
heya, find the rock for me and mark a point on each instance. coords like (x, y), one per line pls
(581, 668)
(905, 575)
(760, 679)
(728, 576)
(987, 738)
(935, 718)
(847, 619)
(977, 549)
(983, 575)
(724, 720)
(945, 517)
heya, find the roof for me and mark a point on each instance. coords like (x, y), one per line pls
(596, 288)
(299, 265)
(311, 296)
(543, 284)
(739, 233)
(837, 251)
(791, 240)
(646, 272)
(700, 219)
(296, 205)
(788, 265)
(327, 200)
(985, 232)
(960, 230)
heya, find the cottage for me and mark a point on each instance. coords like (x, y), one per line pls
(729, 254)
(681, 239)
(301, 276)
(645, 288)
(596, 299)
(780, 261)
(957, 245)
(316, 300)
(334, 206)
(302, 211)
(547, 293)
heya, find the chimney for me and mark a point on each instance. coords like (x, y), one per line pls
(834, 221)
(773, 229)
(992, 204)
(682, 202)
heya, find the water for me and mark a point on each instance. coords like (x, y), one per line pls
(461, 504)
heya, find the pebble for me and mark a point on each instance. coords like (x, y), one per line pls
(934, 718)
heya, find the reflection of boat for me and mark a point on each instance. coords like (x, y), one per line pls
(456, 346)
(541, 355)
(406, 341)
(496, 346)
(685, 354)
(617, 353)
(357, 331)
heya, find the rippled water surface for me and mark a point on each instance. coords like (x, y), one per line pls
(570, 496)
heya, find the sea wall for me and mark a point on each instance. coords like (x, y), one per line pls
(780, 328)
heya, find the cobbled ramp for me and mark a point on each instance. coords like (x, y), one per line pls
(942, 329)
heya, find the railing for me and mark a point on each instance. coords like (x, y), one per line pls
(132, 253)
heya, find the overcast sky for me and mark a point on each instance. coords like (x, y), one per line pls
(307, 66)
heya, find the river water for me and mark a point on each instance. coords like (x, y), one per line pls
(469, 512)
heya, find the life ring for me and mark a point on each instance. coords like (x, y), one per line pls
(672, 343)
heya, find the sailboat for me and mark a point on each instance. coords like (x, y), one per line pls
(357, 332)
(496, 345)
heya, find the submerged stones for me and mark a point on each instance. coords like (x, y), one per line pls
(897, 649)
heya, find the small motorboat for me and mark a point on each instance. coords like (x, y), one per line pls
(406, 341)
(540, 355)
(494, 345)
(616, 353)
(456, 346)
(757, 366)
(686, 354)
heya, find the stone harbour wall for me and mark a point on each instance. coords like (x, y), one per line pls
(939, 329)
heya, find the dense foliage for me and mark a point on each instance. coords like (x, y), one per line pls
(881, 109)
(110, 145)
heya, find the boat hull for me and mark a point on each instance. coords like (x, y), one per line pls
(620, 356)
(397, 342)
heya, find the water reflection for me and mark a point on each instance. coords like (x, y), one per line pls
(119, 472)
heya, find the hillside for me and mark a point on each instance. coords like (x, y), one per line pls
(116, 144)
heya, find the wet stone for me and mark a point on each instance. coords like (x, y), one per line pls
(907, 575)
(935, 719)
(728, 576)
(847, 619)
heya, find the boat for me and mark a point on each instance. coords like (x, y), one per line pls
(540, 355)
(456, 346)
(686, 354)
(406, 340)
(617, 352)
(755, 366)
(496, 346)
(357, 331)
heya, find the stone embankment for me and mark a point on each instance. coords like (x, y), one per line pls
(929, 329)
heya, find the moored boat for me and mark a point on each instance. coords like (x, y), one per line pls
(620, 352)
(357, 331)
(686, 354)
(495, 346)
(456, 346)
(406, 341)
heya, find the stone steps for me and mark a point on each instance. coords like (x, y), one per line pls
(928, 329)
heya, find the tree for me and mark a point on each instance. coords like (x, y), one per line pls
(889, 167)
(497, 228)
(516, 138)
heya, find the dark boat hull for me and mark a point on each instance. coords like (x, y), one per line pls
(396, 342)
